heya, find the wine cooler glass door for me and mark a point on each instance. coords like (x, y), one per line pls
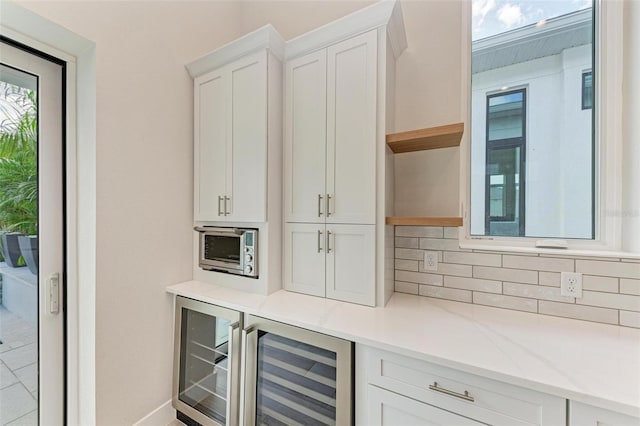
(295, 376)
(205, 387)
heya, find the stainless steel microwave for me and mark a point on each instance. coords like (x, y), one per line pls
(232, 250)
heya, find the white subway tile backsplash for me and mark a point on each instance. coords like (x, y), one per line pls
(409, 254)
(520, 281)
(535, 292)
(446, 293)
(439, 244)
(419, 277)
(406, 265)
(581, 312)
(450, 269)
(630, 319)
(507, 302)
(565, 256)
(609, 269)
(451, 233)
(538, 263)
(473, 258)
(488, 286)
(629, 286)
(596, 283)
(409, 288)
(503, 274)
(405, 242)
(551, 279)
(420, 231)
(610, 300)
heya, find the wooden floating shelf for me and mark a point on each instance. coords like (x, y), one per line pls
(424, 221)
(429, 138)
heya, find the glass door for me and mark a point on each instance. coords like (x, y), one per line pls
(295, 376)
(31, 238)
(206, 362)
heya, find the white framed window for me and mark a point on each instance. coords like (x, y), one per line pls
(576, 215)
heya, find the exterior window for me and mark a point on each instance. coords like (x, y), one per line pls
(587, 90)
(532, 153)
(506, 129)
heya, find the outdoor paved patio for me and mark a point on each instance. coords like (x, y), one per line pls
(18, 371)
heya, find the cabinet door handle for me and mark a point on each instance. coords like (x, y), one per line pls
(319, 238)
(464, 395)
(226, 210)
(328, 205)
(319, 205)
(219, 201)
(329, 241)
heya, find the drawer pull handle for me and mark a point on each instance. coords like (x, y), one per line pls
(464, 395)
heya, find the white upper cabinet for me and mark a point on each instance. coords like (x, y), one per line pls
(237, 128)
(351, 130)
(210, 144)
(330, 133)
(247, 151)
(231, 142)
(305, 137)
(339, 93)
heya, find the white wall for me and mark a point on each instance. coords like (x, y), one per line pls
(293, 18)
(558, 136)
(428, 93)
(144, 182)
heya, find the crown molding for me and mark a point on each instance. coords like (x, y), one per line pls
(265, 37)
(383, 13)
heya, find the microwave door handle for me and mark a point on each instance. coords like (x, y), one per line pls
(223, 232)
(249, 375)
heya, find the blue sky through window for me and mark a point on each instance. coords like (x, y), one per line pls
(492, 17)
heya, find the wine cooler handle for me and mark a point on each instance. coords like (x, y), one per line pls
(230, 382)
(248, 391)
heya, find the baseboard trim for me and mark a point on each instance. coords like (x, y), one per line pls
(161, 416)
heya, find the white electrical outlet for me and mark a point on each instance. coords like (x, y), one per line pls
(571, 284)
(430, 260)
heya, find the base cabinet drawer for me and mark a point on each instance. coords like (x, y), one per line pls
(390, 409)
(588, 415)
(484, 400)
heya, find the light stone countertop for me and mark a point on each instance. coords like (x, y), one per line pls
(593, 363)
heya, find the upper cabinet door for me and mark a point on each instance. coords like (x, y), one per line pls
(351, 129)
(246, 181)
(210, 145)
(351, 254)
(305, 138)
(304, 258)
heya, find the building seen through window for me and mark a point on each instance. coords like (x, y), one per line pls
(532, 97)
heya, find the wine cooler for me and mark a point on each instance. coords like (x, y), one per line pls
(277, 374)
(294, 376)
(206, 363)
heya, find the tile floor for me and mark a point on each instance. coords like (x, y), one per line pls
(18, 371)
